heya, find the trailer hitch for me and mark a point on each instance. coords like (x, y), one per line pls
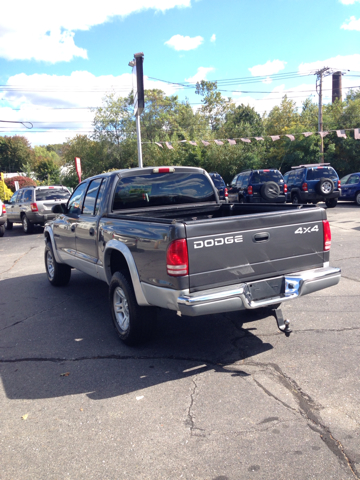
(284, 325)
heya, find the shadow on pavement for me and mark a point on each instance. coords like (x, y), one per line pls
(60, 342)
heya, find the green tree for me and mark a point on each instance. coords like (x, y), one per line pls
(14, 153)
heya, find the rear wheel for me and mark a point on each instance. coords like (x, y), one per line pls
(28, 227)
(331, 203)
(2, 230)
(8, 225)
(357, 198)
(133, 323)
(295, 199)
(58, 274)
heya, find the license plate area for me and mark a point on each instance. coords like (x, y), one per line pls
(262, 289)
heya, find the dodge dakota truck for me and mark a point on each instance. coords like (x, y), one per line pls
(160, 237)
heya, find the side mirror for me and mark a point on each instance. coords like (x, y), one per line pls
(59, 208)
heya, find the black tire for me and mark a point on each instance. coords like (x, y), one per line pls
(325, 186)
(357, 198)
(295, 199)
(8, 225)
(57, 273)
(28, 227)
(270, 191)
(331, 202)
(133, 324)
(2, 230)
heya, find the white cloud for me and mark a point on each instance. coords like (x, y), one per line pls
(179, 42)
(44, 30)
(340, 62)
(33, 98)
(349, 2)
(269, 68)
(213, 38)
(200, 74)
(352, 24)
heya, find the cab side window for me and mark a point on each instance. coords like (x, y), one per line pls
(234, 180)
(91, 197)
(353, 180)
(27, 197)
(76, 200)
(14, 198)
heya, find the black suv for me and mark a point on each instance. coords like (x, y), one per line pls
(258, 186)
(220, 185)
(312, 183)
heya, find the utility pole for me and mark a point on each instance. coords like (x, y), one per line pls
(319, 81)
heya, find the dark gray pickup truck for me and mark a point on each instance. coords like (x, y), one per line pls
(160, 237)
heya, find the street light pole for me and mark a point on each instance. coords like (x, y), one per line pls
(139, 102)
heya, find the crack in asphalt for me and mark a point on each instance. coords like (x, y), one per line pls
(34, 315)
(307, 408)
(18, 260)
(306, 405)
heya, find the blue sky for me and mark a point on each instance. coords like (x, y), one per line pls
(58, 59)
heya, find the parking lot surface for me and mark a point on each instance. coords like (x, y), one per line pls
(222, 397)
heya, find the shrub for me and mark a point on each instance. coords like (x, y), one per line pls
(23, 182)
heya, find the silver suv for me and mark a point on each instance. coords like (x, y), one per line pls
(33, 205)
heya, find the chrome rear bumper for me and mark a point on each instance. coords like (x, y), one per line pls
(239, 297)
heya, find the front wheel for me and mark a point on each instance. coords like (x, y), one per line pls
(357, 198)
(132, 323)
(28, 227)
(58, 274)
(331, 203)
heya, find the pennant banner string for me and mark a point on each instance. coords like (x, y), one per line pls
(274, 138)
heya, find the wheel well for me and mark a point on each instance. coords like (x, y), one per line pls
(117, 262)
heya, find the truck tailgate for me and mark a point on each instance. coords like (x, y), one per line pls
(251, 247)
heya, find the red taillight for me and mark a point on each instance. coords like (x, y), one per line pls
(250, 190)
(34, 207)
(304, 187)
(226, 194)
(177, 260)
(285, 188)
(339, 184)
(327, 235)
(3, 209)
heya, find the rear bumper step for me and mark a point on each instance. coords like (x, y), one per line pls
(241, 296)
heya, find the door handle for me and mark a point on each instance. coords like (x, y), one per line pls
(261, 237)
(92, 231)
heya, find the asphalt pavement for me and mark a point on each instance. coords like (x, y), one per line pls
(221, 397)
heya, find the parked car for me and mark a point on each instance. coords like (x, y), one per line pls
(350, 187)
(220, 185)
(32, 205)
(3, 218)
(312, 183)
(258, 186)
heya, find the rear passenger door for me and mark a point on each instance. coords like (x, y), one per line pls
(64, 227)
(87, 224)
